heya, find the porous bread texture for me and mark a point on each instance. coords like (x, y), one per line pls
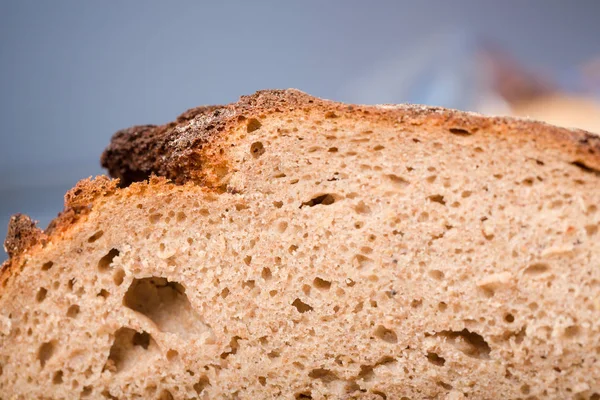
(312, 250)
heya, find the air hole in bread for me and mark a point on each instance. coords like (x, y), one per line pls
(257, 149)
(47, 266)
(306, 289)
(437, 198)
(250, 283)
(266, 274)
(460, 131)
(366, 250)
(591, 230)
(586, 168)
(351, 387)
(444, 385)
(301, 306)
(362, 208)
(528, 181)
(303, 396)
(41, 295)
(385, 334)
(118, 276)
(435, 359)
(106, 394)
(536, 269)
(165, 395)
(172, 355)
(95, 236)
(431, 178)
(130, 348)
(86, 391)
(103, 293)
(57, 379)
(202, 383)
(73, 311)
(262, 380)
(324, 199)
(470, 343)
(321, 284)
(282, 226)
(323, 374)
(367, 372)
(166, 304)
(155, 218)
(45, 351)
(436, 274)
(572, 331)
(105, 262)
(362, 262)
(181, 216)
(509, 318)
(252, 125)
(273, 354)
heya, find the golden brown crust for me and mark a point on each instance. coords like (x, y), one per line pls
(23, 234)
(80, 199)
(182, 151)
(177, 150)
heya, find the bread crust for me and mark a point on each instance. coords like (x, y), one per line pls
(187, 150)
(178, 150)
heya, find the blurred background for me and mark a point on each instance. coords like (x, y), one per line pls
(73, 72)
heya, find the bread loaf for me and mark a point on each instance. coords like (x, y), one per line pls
(287, 247)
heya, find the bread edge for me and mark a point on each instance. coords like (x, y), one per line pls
(186, 152)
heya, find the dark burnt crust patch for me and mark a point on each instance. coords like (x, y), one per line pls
(175, 150)
(136, 153)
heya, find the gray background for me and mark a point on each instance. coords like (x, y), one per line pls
(74, 72)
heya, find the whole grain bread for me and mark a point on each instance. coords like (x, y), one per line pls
(290, 247)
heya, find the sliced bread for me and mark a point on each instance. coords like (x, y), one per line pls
(290, 247)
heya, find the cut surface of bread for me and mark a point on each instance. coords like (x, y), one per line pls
(296, 248)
